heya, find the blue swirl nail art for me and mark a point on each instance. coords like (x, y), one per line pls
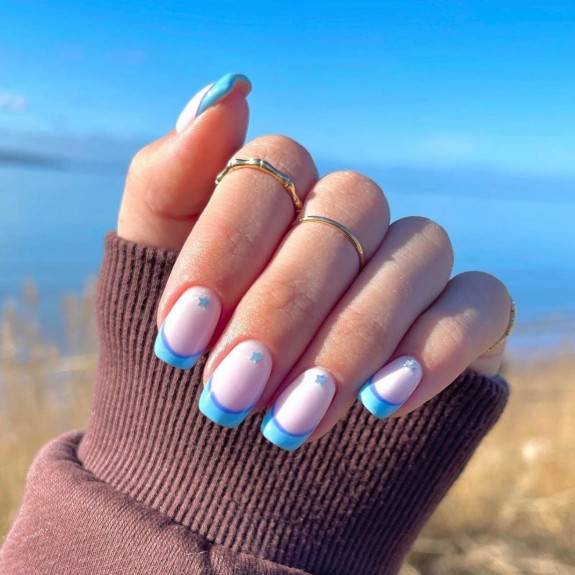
(220, 89)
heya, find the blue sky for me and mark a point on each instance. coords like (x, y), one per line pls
(425, 84)
(462, 111)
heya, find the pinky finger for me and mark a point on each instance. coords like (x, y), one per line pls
(453, 334)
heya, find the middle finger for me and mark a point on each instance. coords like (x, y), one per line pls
(279, 315)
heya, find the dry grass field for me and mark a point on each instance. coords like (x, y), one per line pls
(512, 511)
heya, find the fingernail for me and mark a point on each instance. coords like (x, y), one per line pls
(390, 387)
(237, 383)
(211, 95)
(299, 409)
(188, 328)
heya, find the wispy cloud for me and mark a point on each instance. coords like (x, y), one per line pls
(447, 147)
(12, 102)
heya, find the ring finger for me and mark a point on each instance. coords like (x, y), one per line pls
(409, 270)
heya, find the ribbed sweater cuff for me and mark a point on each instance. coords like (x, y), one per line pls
(350, 503)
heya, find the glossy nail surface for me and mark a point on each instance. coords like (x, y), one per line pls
(299, 409)
(237, 383)
(188, 328)
(210, 96)
(391, 386)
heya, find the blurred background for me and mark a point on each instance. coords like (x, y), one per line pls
(462, 111)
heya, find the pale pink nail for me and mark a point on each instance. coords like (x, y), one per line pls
(237, 384)
(391, 386)
(299, 409)
(188, 328)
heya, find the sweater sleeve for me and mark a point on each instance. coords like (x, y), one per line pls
(153, 487)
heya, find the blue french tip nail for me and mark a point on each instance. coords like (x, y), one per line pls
(221, 88)
(168, 355)
(374, 403)
(219, 414)
(396, 381)
(275, 433)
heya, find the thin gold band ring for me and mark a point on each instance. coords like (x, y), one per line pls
(348, 233)
(263, 166)
(509, 327)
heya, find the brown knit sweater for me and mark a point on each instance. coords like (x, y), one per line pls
(152, 487)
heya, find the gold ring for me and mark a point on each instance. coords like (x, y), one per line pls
(262, 165)
(509, 327)
(349, 234)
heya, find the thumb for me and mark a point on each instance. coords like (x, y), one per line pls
(171, 180)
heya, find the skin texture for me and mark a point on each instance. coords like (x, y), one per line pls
(298, 290)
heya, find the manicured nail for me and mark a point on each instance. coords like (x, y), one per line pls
(390, 387)
(237, 383)
(211, 95)
(188, 328)
(299, 409)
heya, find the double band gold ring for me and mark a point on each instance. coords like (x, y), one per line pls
(263, 166)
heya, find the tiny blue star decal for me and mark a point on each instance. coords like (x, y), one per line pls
(320, 378)
(256, 357)
(410, 364)
(203, 301)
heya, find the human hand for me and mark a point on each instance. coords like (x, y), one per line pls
(291, 321)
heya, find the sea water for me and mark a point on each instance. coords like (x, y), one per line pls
(52, 224)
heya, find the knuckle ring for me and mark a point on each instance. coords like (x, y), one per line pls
(509, 328)
(348, 233)
(263, 166)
